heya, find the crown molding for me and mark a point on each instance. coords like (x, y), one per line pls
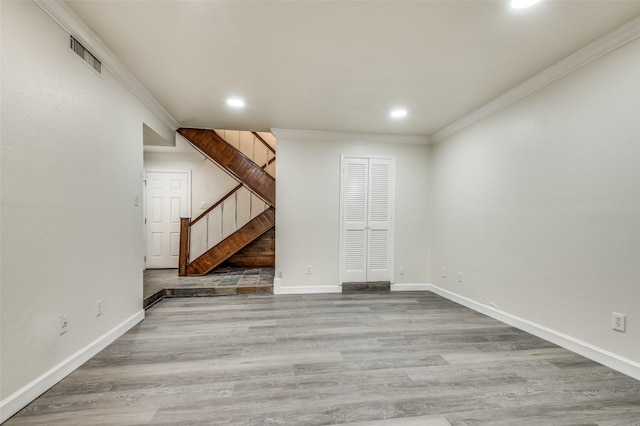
(628, 32)
(349, 137)
(70, 22)
(600, 47)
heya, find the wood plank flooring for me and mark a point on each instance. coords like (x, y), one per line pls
(394, 359)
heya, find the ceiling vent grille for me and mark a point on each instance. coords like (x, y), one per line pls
(86, 56)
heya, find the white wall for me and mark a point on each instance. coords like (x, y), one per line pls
(538, 206)
(71, 234)
(208, 182)
(308, 208)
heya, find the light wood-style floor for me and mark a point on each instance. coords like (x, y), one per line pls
(366, 359)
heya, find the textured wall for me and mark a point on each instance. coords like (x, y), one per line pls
(308, 208)
(71, 168)
(538, 205)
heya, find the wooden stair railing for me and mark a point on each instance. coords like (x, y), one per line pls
(243, 169)
(222, 251)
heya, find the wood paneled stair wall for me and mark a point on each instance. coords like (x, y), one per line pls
(248, 174)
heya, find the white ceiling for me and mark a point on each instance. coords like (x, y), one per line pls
(340, 65)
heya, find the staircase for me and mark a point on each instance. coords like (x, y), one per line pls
(256, 187)
(238, 165)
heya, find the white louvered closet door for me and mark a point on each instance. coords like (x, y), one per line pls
(367, 205)
(354, 239)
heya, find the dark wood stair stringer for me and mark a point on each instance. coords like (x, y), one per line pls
(243, 169)
(233, 243)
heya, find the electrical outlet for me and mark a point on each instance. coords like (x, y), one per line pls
(280, 274)
(460, 277)
(402, 270)
(444, 272)
(308, 269)
(63, 324)
(98, 308)
(618, 321)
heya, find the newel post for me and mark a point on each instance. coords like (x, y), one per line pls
(183, 255)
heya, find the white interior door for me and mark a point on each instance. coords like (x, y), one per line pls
(166, 201)
(367, 219)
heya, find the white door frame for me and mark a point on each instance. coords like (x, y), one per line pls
(343, 158)
(144, 201)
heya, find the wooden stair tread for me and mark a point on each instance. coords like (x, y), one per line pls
(232, 244)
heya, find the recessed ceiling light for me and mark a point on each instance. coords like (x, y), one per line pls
(235, 102)
(398, 113)
(523, 4)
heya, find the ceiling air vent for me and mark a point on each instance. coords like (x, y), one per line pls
(86, 55)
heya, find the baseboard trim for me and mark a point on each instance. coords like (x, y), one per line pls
(313, 289)
(594, 353)
(21, 398)
(279, 289)
(410, 287)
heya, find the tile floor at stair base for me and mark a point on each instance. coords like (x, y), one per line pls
(159, 283)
